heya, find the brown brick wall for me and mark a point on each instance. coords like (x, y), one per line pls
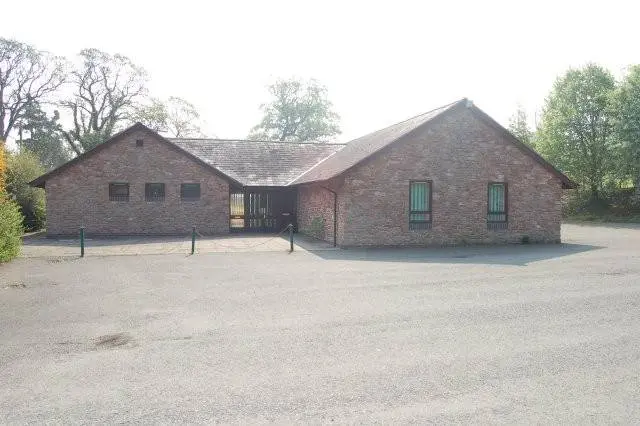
(316, 203)
(461, 155)
(79, 196)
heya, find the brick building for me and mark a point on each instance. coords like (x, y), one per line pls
(450, 176)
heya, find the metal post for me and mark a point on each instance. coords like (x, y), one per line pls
(193, 240)
(290, 237)
(82, 241)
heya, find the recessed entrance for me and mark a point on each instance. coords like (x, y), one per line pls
(262, 209)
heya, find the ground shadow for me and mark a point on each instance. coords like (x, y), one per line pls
(519, 255)
(105, 241)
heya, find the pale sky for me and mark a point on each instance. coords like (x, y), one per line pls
(382, 62)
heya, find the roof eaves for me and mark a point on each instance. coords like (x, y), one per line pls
(444, 108)
(40, 181)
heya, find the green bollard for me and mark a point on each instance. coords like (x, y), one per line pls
(193, 240)
(290, 237)
(82, 241)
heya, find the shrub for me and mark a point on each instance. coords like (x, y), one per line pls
(316, 228)
(3, 164)
(22, 168)
(10, 228)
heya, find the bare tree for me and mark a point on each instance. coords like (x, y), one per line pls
(107, 89)
(27, 75)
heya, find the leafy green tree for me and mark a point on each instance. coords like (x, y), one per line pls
(298, 111)
(22, 168)
(107, 90)
(519, 126)
(42, 135)
(175, 117)
(27, 75)
(577, 127)
(626, 107)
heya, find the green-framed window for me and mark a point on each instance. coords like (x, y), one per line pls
(497, 203)
(420, 198)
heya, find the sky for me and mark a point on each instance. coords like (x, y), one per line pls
(382, 61)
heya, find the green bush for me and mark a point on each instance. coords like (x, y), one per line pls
(315, 228)
(10, 228)
(22, 168)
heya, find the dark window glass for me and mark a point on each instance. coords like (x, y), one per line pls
(420, 205)
(497, 205)
(154, 191)
(139, 142)
(190, 191)
(119, 191)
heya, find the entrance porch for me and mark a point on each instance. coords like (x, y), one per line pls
(262, 209)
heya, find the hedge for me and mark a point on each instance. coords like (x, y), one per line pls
(10, 228)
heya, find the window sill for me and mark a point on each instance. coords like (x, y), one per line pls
(497, 226)
(419, 226)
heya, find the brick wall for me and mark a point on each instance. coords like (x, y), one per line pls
(79, 195)
(315, 211)
(461, 155)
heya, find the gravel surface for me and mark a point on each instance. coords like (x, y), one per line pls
(521, 334)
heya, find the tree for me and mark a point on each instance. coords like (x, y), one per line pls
(176, 117)
(27, 75)
(22, 168)
(626, 110)
(42, 135)
(576, 131)
(298, 111)
(519, 126)
(107, 89)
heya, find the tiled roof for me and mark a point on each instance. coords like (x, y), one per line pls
(261, 163)
(258, 163)
(363, 147)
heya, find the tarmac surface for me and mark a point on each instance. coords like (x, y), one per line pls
(516, 334)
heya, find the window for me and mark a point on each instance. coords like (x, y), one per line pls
(119, 192)
(190, 191)
(497, 206)
(420, 205)
(154, 191)
(139, 142)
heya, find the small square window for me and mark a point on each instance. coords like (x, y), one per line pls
(154, 191)
(119, 191)
(139, 142)
(190, 191)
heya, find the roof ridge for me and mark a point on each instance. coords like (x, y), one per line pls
(258, 141)
(412, 118)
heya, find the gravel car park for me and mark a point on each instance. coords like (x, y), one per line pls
(511, 334)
